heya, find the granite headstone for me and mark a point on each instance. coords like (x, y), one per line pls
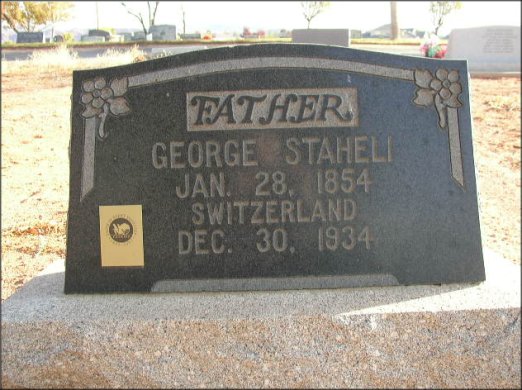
(487, 49)
(116, 38)
(355, 34)
(29, 37)
(127, 36)
(100, 33)
(89, 38)
(138, 36)
(190, 36)
(163, 32)
(272, 167)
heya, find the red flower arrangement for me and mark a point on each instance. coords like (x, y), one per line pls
(432, 48)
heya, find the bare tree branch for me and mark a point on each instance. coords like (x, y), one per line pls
(138, 16)
(148, 8)
(182, 9)
(441, 9)
(10, 22)
(395, 31)
(313, 8)
(154, 13)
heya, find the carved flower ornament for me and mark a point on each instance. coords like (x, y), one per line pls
(442, 90)
(99, 99)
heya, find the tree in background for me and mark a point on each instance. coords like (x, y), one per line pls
(30, 15)
(440, 9)
(313, 8)
(23, 16)
(152, 7)
(394, 22)
(182, 10)
(58, 11)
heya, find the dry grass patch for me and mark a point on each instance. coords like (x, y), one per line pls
(35, 163)
(503, 103)
(497, 141)
(63, 59)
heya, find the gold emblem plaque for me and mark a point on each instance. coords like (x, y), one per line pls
(121, 236)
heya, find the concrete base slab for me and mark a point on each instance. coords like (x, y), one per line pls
(417, 336)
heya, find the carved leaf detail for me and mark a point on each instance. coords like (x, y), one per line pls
(119, 86)
(91, 111)
(455, 88)
(424, 97)
(443, 91)
(441, 110)
(423, 78)
(453, 102)
(119, 106)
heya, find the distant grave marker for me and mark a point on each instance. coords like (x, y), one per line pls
(116, 38)
(163, 32)
(89, 38)
(29, 37)
(100, 33)
(487, 49)
(355, 34)
(190, 36)
(127, 37)
(336, 37)
(138, 36)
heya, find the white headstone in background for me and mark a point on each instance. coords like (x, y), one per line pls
(337, 37)
(89, 38)
(116, 38)
(487, 49)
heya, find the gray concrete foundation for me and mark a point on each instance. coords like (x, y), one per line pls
(418, 336)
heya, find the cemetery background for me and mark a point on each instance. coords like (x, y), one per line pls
(36, 109)
(35, 137)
